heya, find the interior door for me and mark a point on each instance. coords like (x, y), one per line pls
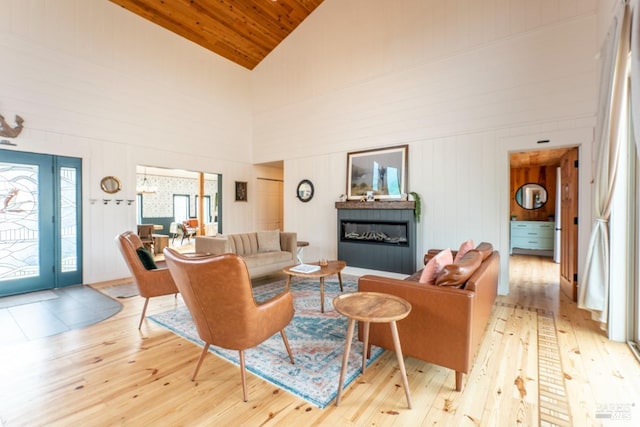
(40, 217)
(569, 225)
(269, 195)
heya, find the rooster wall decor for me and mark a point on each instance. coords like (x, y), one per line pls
(8, 131)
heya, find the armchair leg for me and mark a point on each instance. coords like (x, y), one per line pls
(243, 375)
(205, 349)
(286, 344)
(144, 310)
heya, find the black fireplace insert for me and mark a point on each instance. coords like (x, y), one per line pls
(383, 232)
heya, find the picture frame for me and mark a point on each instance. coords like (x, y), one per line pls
(382, 171)
(241, 191)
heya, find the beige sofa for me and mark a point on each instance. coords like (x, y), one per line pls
(265, 252)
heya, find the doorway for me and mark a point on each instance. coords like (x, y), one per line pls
(270, 214)
(550, 222)
(40, 222)
(170, 196)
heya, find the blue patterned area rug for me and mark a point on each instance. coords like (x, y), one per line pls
(316, 340)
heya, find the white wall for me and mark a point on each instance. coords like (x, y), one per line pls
(94, 81)
(452, 79)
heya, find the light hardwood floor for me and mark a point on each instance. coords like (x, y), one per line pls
(541, 361)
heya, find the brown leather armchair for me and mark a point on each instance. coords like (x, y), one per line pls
(150, 283)
(217, 291)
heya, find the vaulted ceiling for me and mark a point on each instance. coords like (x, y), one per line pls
(243, 31)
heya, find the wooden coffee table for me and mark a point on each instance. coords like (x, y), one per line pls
(332, 267)
(373, 307)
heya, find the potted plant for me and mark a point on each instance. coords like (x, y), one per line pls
(417, 210)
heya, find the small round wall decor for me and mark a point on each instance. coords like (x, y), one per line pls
(305, 190)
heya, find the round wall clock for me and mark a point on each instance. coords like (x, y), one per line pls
(305, 190)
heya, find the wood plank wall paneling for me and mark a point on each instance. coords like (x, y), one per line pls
(543, 175)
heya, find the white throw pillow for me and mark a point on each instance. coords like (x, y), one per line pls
(269, 241)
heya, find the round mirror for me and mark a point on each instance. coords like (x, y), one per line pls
(305, 190)
(110, 184)
(531, 196)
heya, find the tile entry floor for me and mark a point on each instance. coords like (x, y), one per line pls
(41, 314)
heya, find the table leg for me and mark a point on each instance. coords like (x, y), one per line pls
(398, 349)
(286, 288)
(365, 333)
(345, 357)
(322, 295)
(340, 280)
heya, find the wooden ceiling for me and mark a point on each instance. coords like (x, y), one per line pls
(549, 157)
(243, 31)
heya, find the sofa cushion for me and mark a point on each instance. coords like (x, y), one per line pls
(146, 258)
(464, 248)
(268, 258)
(485, 249)
(434, 266)
(268, 241)
(243, 243)
(457, 274)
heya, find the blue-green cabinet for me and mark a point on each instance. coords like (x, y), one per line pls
(532, 235)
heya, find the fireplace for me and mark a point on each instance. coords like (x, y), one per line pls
(386, 233)
(377, 235)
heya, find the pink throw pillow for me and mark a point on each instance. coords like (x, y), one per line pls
(435, 266)
(464, 248)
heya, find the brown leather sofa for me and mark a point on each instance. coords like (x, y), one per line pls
(446, 324)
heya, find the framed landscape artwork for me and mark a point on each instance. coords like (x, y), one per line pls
(381, 171)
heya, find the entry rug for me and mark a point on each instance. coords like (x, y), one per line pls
(316, 340)
(124, 290)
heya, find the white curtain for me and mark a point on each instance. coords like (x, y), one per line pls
(594, 292)
(635, 69)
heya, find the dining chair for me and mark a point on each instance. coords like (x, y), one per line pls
(175, 230)
(145, 232)
(217, 291)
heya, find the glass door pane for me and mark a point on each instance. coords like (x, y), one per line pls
(19, 225)
(67, 220)
(26, 228)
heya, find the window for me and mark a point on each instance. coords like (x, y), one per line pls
(180, 207)
(206, 207)
(139, 211)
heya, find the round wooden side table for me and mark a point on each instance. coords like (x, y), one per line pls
(332, 267)
(373, 307)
